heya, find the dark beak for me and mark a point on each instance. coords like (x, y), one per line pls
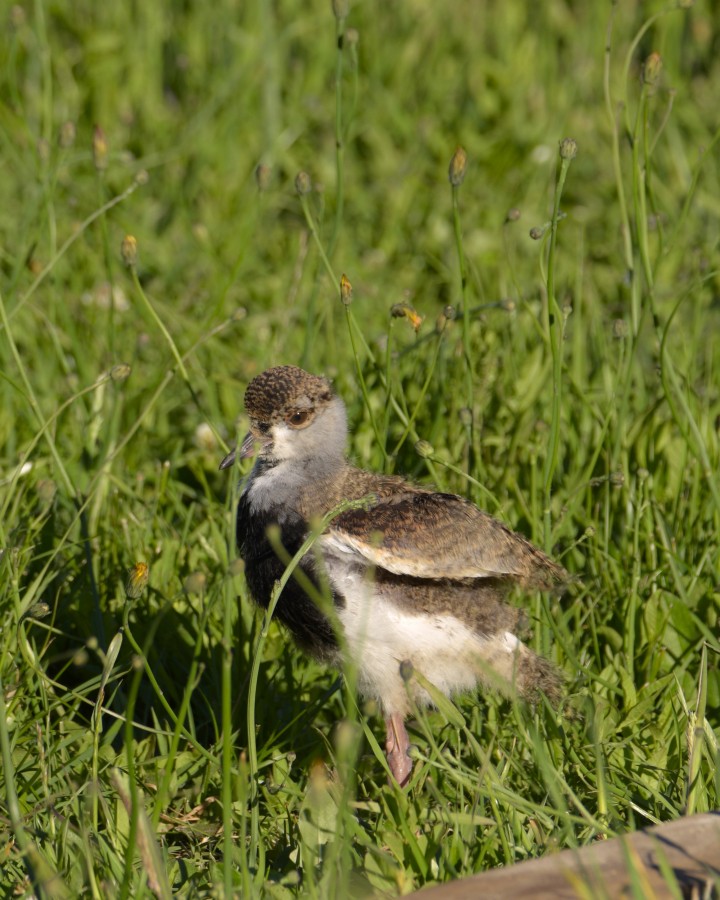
(247, 449)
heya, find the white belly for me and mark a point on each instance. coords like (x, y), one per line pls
(381, 635)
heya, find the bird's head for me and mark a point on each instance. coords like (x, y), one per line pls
(294, 417)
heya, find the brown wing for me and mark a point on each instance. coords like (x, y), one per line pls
(430, 535)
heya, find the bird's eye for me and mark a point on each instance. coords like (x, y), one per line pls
(299, 418)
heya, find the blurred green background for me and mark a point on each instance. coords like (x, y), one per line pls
(185, 125)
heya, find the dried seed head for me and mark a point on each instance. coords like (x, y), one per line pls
(458, 167)
(38, 610)
(538, 231)
(120, 372)
(128, 251)
(340, 8)
(137, 580)
(568, 149)
(651, 69)
(346, 290)
(512, 215)
(352, 37)
(100, 149)
(620, 328)
(303, 184)
(407, 311)
(424, 449)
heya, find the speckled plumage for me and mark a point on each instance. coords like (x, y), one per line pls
(415, 575)
(284, 388)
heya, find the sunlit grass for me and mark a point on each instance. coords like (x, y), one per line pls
(568, 384)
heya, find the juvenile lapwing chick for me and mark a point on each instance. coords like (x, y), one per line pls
(415, 576)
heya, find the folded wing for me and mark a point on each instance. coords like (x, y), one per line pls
(431, 535)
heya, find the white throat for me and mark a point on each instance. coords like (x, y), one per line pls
(301, 457)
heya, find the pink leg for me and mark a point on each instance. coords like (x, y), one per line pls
(396, 747)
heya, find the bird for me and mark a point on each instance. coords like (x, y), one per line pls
(418, 578)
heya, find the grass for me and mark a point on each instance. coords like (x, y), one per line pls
(568, 384)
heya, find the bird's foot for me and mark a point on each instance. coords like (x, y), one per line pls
(397, 745)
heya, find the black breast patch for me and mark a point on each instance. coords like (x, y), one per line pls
(310, 628)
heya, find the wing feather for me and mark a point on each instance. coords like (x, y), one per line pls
(432, 535)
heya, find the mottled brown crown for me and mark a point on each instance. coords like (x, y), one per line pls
(275, 391)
